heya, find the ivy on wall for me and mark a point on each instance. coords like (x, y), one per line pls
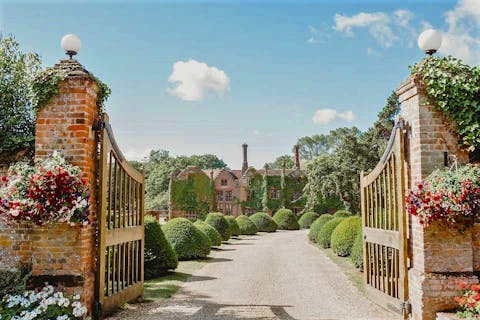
(195, 194)
(255, 193)
(454, 89)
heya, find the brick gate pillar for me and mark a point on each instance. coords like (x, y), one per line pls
(439, 257)
(61, 254)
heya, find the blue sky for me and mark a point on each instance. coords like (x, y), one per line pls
(203, 77)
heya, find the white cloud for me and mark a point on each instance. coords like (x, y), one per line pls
(327, 116)
(374, 53)
(193, 80)
(403, 17)
(378, 24)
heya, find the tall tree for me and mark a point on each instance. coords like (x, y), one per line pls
(280, 161)
(17, 118)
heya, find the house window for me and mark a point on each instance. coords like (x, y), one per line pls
(249, 211)
(192, 215)
(219, 195)
(228, 208)
(251, 196)
(274, 194)
(297, 210)
(228, 196)
(220, 207)
(297, 195)
(223, 182)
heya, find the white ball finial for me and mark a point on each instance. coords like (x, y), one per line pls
(71, 44)
(430, 41)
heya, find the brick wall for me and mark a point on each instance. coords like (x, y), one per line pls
(439, 258)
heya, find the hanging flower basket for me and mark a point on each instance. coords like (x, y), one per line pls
(51, 191)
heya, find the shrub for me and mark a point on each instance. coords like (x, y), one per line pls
(159, 254)
(218, 221)
(325, 234)
(342, 214)
(317, 226)
(187, 240)
(234, 228)
(344, 235)
(264, 222)
(246, 225)
(299, 216)
(14, 281)
(213, 235)
(46, 304)
(356, 255)
(286, 220)
(307, 219)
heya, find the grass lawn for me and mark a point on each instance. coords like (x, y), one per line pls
(164, 287)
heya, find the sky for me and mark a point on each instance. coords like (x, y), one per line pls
(197, 77)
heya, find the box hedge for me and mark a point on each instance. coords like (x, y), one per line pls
(356, 256)
(246, 226)
(186, 239)
(264, 222)
(234, 228)
(213, 235)
(159, 254)
(317, 225)
(218, 221)
(286, 220)
(344, 235)
(342, 214)
(307, 219)
(325, 234)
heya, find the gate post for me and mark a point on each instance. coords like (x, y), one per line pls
(61, 254)
(439, 257)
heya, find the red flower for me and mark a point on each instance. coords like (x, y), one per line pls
(463, 285)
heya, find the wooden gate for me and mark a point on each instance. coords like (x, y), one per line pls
(384, 227)
(120, 226)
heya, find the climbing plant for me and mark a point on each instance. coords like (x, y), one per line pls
(193, 194)
(255, 193)
(454, 89)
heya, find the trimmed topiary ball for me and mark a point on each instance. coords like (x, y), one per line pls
(344, 235)
(307, 219)
(213, 235)
(234, 228)
(286, 220)
(317, 225)
(186, 239)
(342, 214)
(356, 255)
(325, 234)
(218, 221)
(264, 222)
(159, 254)
(246, 226)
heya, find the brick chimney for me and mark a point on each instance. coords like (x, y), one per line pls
(245, 160)
(297, 156)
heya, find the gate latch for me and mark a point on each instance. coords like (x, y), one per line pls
(406, 308)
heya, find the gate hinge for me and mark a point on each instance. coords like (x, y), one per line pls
(97, 310)
(406, 308)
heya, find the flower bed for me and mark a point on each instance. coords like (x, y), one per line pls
(51, 191)
(469, 301)
(45, 304)
(450, 197)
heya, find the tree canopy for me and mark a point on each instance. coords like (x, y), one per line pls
(280, 161)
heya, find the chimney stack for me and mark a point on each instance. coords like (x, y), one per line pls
(297, 156)
(245, 161)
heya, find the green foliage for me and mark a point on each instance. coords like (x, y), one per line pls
(307, 219)
(325, 233)
(193, 194)
(218, 221)
(344, 235)
(234, 227)
(17, 117)
(211, 232)
(454, 89)
(286, 220)
(255, 193)
(159, 254)
(281, 161)
(264, 222)
(342, 214)
(247, 227)
(14, 281)
(187, 240)
(356, 255)
(317, 225)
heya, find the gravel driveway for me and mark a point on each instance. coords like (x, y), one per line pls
(266, 276)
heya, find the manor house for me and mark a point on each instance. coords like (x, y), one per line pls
(195, 192)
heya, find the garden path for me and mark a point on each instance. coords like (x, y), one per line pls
(266, 276)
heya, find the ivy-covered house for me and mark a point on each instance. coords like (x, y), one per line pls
(195, 192)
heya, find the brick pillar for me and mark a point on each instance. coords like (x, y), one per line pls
(439, 257)
(62, 254)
